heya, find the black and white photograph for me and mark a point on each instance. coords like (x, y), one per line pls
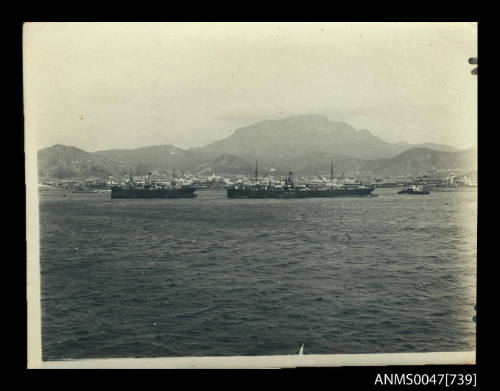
(250, 194)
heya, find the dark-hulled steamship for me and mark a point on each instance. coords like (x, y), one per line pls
(292, 190)
(153, 190)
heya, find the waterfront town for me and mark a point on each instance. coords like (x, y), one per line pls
(446, 180)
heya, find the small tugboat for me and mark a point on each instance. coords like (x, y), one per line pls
(414, 190)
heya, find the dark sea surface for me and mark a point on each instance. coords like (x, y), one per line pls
(212, 276)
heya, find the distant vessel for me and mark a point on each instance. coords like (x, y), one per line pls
(292, 190)
(81, 188)
(150, 190)
(414, 190)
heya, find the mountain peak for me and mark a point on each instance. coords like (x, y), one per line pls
(297, 119)
(301, 135)
(315, 119)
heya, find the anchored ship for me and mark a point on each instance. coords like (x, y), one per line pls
(82, 188)
(151, 190)
(292, 190)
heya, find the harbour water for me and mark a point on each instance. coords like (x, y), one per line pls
(211, 276)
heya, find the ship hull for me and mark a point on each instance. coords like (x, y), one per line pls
(186, 192)
(296, 193)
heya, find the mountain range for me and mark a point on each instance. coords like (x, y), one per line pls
(304, 144)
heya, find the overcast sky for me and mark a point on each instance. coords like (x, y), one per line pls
(125, 85)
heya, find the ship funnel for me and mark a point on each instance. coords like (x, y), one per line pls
(147, 183)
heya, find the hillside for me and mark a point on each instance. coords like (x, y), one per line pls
(279, 142)
(423, 160)
(70, 162)
(413, 161)
(61, 161)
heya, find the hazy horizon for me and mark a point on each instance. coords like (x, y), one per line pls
(100, 86)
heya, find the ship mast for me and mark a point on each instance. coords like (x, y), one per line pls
(256, 172)
(331, 170)
(408, 169)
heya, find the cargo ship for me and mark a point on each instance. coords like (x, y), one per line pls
(292, 190)
(151, 190)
